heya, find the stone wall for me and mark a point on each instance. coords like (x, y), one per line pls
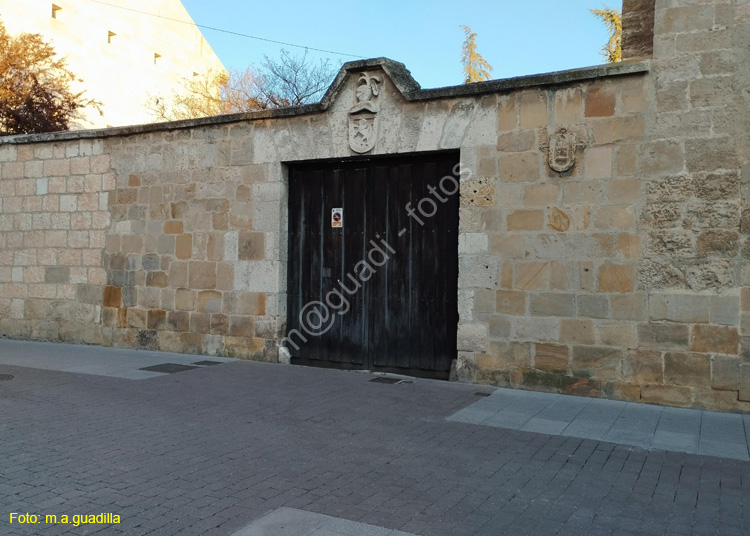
(192, 218)
(54, 214)
(561, 303)
(638, 28)
(145, 242)
(624, 279)
(621, 276)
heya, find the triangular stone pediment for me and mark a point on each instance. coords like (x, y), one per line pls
(397, 72)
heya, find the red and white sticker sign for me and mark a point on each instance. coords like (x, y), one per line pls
(337, 217)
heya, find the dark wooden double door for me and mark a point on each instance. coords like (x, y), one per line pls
(380, 292)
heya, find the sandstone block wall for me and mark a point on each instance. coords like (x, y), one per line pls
(193, 226)
(153, 241)
(625, 276)
(54, 214)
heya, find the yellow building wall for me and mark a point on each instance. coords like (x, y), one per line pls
(121, 70)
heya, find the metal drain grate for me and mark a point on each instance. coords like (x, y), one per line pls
(6, 377)
(168, 368)
(385, 379)
(482, 394)
(207, 363)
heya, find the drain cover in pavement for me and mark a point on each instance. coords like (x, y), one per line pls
(207, 363)
(5, 377)
(383, 379)
(481, 394)
(168, 368)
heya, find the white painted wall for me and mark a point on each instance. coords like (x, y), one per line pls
(120, 73)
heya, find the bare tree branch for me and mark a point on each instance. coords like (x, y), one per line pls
(289, 81)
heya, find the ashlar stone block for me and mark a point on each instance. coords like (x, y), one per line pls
(679, 307)
(577, 331)
(472, 337)
(663, 336)
(714, 339)
(725, 310)
(744, 393)
(511, 302)
(667, 395)
(725, 372)
(597, 362)
(551, 357)
(553, 304)
(690, 369)
(622, 334)
(643, 366)
(600, 102)
(616, 278)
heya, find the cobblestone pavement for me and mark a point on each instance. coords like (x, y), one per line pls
(214, 449)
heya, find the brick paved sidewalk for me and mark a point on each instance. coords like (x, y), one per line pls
(212, 450)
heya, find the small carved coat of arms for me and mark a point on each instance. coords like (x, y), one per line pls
(562, 150)
(363, 120)
(362, 129)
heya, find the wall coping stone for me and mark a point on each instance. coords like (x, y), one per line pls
(397, 72)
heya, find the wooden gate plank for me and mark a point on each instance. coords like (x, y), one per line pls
(377, 286)
(312, 266)
(398, 269)
(332, 242)
(404, 317)
(354, 323)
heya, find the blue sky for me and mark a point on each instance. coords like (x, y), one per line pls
(517, 38)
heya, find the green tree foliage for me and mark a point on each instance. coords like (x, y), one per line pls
(35, 94)
(288, 81)
(612, 19)
(476, 68)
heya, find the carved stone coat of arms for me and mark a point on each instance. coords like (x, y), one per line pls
(363, 120)
(562, 150)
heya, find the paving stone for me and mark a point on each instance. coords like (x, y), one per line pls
(293, 522)
(675, 441)
(509, 419)
(564, 408)
(723, 427)
(472, 415)
(588, 429)
(544, 426)
(635, 425)
(87, 360)
(723, 450)
(723, 435)
(212, 451)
